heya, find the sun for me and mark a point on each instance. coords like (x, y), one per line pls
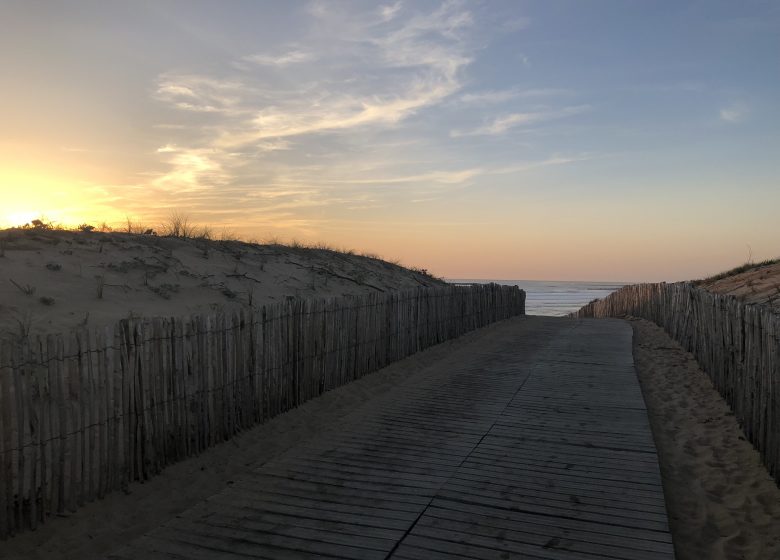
(28, 196)
(17, 218)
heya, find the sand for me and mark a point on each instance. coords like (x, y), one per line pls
(760, 285)
(721, 500)
(50, 280)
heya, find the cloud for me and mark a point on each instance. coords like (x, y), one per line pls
(500, 96)
(501, 124)
(190, 170)
(734, 114)
(200, 94)
(488, 97)
(389, 11)
(295, 56)
(294, 128)
(443, 177)
(274, 145)
(334, 113)
(395, 70)
(550, 161)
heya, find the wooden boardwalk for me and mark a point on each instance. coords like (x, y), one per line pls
(534, 446)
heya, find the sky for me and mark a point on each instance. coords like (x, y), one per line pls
(560, 140)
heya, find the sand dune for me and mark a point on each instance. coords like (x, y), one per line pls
(757, 285)
(51, 281)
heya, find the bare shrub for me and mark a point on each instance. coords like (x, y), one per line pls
(137, 227)
(228, 235)
(205, 233)
(42, 224)
(179, 225)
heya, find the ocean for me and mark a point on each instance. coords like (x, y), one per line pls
(554, 298)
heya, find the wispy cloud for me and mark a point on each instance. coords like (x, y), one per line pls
(290, 131)
(201, 94)
(190, 170)
(442, 177)
(547, 162)
(501, 124)
(500, 96)
(735, 113)
(294, 56)
(274, 145)
(453, 176)
(400, 65)
(389, 11)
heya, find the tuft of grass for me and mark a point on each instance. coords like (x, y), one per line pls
(748, 266)
(27, 289)
(228, 235)
(24, 324)
(179, 225)
(100, 284)
(205, 233)
(424, 272)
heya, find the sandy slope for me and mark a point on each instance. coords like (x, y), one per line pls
(760, 285)
(145, 275)
(721, 500)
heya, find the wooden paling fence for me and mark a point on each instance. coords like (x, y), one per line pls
(737, 344)
(86, 413)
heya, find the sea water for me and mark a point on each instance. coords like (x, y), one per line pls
(554, 298)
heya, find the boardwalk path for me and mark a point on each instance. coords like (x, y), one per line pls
(534, 446)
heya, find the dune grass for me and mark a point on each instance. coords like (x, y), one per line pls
(746, 267)
(180, 225)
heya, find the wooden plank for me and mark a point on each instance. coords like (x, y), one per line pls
(386, 480)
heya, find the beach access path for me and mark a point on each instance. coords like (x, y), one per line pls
(534, 445)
